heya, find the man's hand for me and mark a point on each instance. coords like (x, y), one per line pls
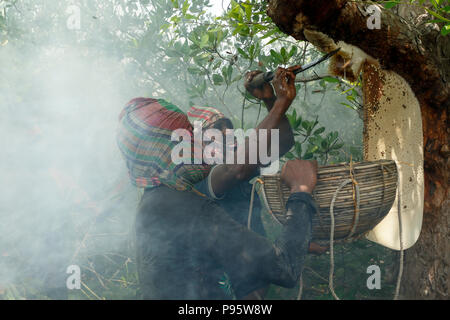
(300, 175)
(284, 83)
(263, 92)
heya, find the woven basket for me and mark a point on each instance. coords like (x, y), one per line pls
(377, 184)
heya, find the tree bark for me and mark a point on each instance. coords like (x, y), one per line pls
(416, 51)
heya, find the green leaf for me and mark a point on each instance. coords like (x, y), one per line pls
(217, 79)
(322, 84)
(291, 120)
(201, 59)
(272, 41)
(204, 41)
(319, 131)
(308, 156)
(298, 122)
(445, 30)
(293, 51)
(165, 26)
(173, 53)
(316, 121)
(298, 149)
(185, 48)
(283, 53)
(276, 56)
(221, 34)
(241, 29)
(236, 11)
(217, 64)
(185, 7)
(348, 106)
(330, 79)
(294, 114)
(268, 34)
(251, 50)
(306, 125)
(390, 4)
(289, 155)
(314, 149)
(338, 146)
(229, 72)
(333, 135)
(259, 27)
(237, 78)
(248, 11)
(315, 140)
(193, 70)
(437, 15)
(243, 53)
(434, 3)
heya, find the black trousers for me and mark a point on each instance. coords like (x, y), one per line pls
(186, 242)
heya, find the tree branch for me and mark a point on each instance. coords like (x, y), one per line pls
(398, 45)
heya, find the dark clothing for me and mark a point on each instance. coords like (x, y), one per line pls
(236, 202)
(186, 242)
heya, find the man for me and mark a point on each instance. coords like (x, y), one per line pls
(187, 241)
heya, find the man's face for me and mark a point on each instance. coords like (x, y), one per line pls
(219, 146)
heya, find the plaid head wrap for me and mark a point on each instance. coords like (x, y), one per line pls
(206, 115)
(144, 138)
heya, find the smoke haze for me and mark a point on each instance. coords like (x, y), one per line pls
(65, 196)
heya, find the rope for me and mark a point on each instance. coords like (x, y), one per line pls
(300, 289)
(330, 278)
(356, 197)
(252, 199)
(249, 219)
(400, 231)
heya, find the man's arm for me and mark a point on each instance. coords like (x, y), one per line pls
(226, 176)
(252, 261)
(292, 245)
(266, 94)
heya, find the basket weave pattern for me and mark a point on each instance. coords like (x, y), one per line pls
(377, 182)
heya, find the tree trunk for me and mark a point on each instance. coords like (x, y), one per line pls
(416, 51)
